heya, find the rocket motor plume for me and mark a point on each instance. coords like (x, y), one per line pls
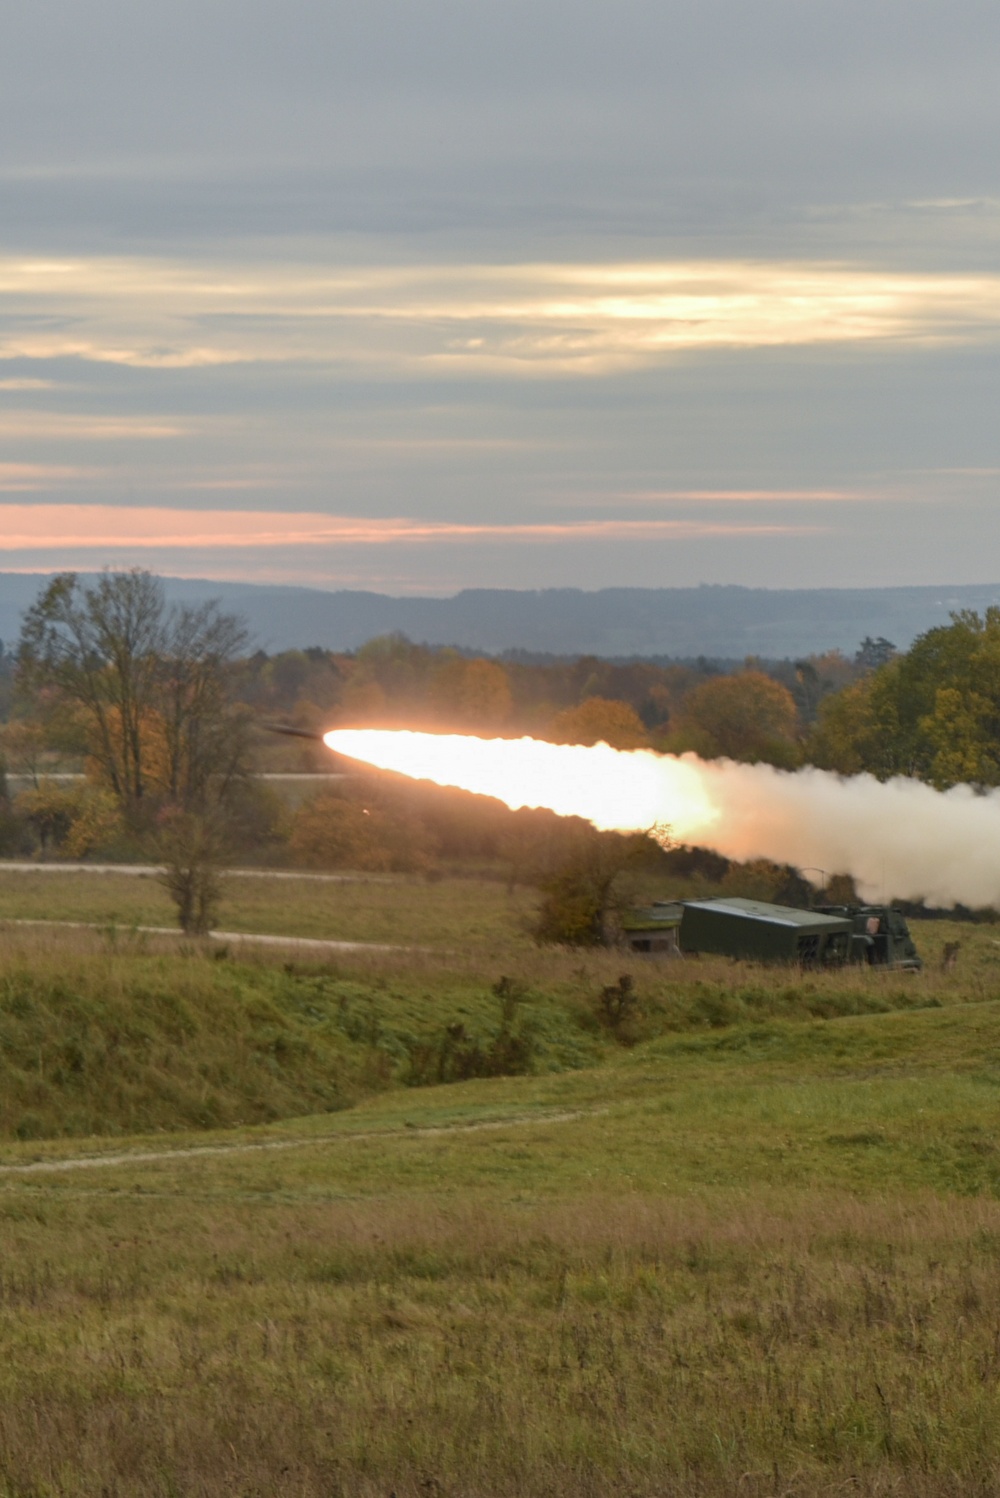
(899, 838)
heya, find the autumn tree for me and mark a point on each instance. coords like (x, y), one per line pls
(470, 693)
(747, 716)
(585, 894)
(599, 720)
(204, 739)
(848, 735)
(68, 820)
(333, 831)
(148, 685)
(99, 648)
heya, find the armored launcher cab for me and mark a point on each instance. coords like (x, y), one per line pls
(880, 936)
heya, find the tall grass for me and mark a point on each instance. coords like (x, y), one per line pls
(759, 1259)
(625, 1345)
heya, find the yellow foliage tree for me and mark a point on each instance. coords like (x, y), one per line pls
(599, 720)
(845, 730)
(69, 821)
(748, 716)
(471, 694)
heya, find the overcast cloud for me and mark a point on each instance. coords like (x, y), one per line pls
(418, 294)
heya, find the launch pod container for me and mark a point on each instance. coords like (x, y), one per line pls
(758, 932)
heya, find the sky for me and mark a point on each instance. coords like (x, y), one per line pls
(417, 295)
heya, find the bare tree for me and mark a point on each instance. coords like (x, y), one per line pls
(150, 684)
(100, 649)
(192, 849)
(206, 739)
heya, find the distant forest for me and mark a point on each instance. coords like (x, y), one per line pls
(135, 728)
(747, 710)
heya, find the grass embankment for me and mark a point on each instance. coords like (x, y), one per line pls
(116, 1033)
(762, 1262)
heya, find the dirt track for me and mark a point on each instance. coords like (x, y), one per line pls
(151, 870)
(241, 938)
(148, 1157)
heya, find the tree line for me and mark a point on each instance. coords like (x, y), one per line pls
(160, 706)
(759, 710)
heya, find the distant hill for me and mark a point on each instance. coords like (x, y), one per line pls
(719, 622)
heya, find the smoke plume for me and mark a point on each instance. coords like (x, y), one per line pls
(900, 839)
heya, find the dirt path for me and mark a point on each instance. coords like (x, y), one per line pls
(242, 938)
(413, 1131)
(151, 870)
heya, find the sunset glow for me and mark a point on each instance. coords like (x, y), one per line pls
(528, 319)
(26, 526)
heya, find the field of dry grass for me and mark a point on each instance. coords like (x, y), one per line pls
(396, 909)
(762, 1259)
(755, 1250)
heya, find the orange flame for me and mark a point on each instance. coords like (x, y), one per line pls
(900, 838)
(618, 790)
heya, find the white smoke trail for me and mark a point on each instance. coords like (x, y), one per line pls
(900, 839)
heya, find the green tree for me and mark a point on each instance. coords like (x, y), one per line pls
(933, 713)
(748, 716)
(874, 653)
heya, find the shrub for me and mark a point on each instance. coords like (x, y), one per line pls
(330, 831)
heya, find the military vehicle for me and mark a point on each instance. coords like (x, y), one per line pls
(757, 931)
(880, 936)
(829, 936)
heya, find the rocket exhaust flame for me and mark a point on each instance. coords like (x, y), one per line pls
(900, 839)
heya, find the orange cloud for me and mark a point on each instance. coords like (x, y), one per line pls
(109, 527)
(19, 477)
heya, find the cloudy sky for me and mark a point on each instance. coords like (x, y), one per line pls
(422, 294)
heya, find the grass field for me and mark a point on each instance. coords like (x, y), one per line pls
(756, 1251)
(459, 912)
(764, 1260)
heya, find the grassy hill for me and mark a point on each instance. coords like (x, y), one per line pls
(107, 1030)
(762, 1260)
(746, 1243)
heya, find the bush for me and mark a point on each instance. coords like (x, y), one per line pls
(192, 852)
(583, 897)
(453, 1055)
(330, 831)
(68, 821)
